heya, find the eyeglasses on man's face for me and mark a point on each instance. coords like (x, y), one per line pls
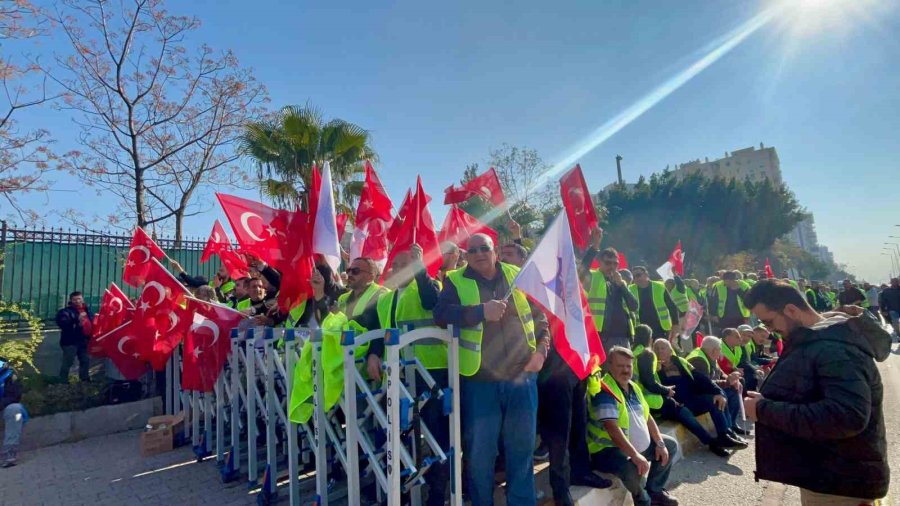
(356, 270)
(484, 248)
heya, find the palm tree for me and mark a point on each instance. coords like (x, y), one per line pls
(285, 147)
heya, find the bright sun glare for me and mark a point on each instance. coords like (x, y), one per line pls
(806, 18)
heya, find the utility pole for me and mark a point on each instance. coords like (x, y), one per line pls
(619, 169)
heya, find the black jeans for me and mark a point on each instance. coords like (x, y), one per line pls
(69, 354)
(562, 416)
(671, 410)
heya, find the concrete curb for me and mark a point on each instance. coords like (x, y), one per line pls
(76, 425)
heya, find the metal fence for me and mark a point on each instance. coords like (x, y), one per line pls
(40, 267)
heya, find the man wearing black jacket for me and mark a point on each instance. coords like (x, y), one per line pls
(74, 323)
(819, 420)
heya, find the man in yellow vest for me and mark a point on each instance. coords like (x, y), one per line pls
(610, 301)
(655, 306)
(705, 361)
(409, 306)
(726, 305)
(622, 436)
(503, 344)
(359, 304)
(450, 258)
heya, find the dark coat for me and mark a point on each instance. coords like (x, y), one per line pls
(821, 426)
(71, 331)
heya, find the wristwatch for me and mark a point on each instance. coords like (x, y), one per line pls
(660, 444)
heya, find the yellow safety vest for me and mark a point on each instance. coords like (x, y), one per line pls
(409, 313)
(332, 363)
(659, 302)
(680, 299)
(597, 436)
(698, 352)
(733, 356)
(368, 297)
(470, 337)
(294, 315)
(654, 400)
(597, 302)
(244, 304)
(722, 294)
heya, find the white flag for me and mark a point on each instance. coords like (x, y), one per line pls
(325, 240)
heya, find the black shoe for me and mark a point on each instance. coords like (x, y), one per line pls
(733, 435)
(662, 499)
(591, 480)
(739, 431)
(541, 453)
(740, 443)
(719, 450)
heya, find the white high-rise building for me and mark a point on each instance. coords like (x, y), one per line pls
(748, 163)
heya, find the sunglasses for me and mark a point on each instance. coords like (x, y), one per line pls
(355, 270)
(484, 248)
(611, 262)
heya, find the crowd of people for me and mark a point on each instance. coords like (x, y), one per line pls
(516, 388)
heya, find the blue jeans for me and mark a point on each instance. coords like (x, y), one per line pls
(734, 406)
(14, 416)
(612, 460)
(700, 404)
(489, 409)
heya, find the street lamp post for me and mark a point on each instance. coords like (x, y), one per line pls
(895, 259)
(893, 262)
(896, 246)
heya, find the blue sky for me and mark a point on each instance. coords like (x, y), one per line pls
(440, 84)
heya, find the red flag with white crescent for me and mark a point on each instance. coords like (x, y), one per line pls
(137, 263)
(486, 186)
(418, 228)
(460, 225)
(207, 344)
(160, 316)
(115, 309)
(579, 206)
(769, 272)
(121, 346)
(260, 230)
(373, 220)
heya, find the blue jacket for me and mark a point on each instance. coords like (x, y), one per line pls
(71, 332)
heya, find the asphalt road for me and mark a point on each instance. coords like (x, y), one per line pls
(704, 479)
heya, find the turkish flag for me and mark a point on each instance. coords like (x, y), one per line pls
(207, 344)
(460, 225)
(219, 244)
(486, 186)
(218, 241)
(401, 214)
(115, 309)
(373, 220)
(769, 273)
(580, 209)
(296, 269)
(260, 230)
(312, 193)
(418, 228)
(160, 315)
(121, 346)
(142, 250)
(623, 261)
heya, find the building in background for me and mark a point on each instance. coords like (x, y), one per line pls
(748, 163)
(804, 235)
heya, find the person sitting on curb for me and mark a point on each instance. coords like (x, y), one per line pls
(622, 436)
(662, 398)
(704, 360)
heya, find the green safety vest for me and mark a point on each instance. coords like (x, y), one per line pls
(294, 315)
(722, 293)
(659, 302)
(470, 337)
(733, 356)
(372, 293)
(654, 400)
(750, 349)
(332, 358)
(244, 304)
(794, 284)
(410, 313)
(597, 302)
(698, 352)
(597, 436)
(815, 297)
(680, 299)
(227, 287)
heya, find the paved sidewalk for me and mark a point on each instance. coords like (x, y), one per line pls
(110, 471)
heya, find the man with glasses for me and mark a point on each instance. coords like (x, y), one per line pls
(819, 418)
(610, 301)
(503, 344)
(359, 305)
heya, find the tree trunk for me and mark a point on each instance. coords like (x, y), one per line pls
(179, 219)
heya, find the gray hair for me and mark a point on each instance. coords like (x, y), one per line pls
(448, 247)
(711, 343)
(486, 238)
(620, 350)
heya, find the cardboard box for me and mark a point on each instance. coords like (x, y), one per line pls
(160, 437)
